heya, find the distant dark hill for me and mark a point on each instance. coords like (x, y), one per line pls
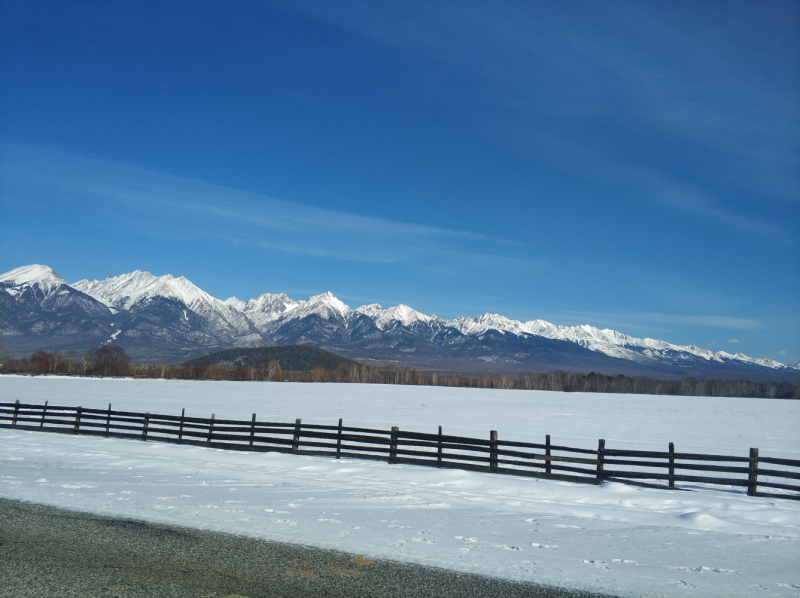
(295, 358)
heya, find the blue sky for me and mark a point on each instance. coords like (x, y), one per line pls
(633, 165)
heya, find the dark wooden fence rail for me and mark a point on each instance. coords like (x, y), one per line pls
(761, 476)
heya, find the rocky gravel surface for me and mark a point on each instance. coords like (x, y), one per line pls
(48, 552)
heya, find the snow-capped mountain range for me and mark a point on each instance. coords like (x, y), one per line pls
(164, 317)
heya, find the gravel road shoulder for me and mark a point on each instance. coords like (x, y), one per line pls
(52, 552)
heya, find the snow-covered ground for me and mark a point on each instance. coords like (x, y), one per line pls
(613, 538)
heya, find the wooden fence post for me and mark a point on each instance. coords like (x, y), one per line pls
(752, 475)
(77, 420)
(339, 440)
(547, 468)
(671, 465)
(180, 430)
(210, 428)
(601, 447)
(296, 440)
(493, 450)
(393, 445)
(473, 444)
(439, 449)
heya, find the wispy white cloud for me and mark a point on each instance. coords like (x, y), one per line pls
(539, 63)
(177, 207)
(661, 187)
(633, 320)
(710, 321)
(734, 340)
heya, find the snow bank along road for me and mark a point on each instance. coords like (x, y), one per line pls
(613, 539)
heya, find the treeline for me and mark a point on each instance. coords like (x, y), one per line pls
(106, 360)
(113, 361)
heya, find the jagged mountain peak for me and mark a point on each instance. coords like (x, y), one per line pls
(406, 314)
(125, 290)
(325, 301)
(269, 299)
(372, 310)
(271, 307)
(275, 316)
(537, 326)
(267, 308)
(263, 302)
(498, 322)
(401, 313)
(143, 290)
(482, 323)
(43, 277)
(235, 303)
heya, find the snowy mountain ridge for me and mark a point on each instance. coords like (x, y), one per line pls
(610, 342)
(256, 321)
(34, 276)
(402, 314)
(128, 291)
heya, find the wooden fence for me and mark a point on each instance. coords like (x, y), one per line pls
(761, 476)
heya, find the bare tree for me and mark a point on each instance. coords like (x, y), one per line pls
(85, 363)
(71, 359)
(44, 362)
(110, 360)
(319, 373)
(273, 370)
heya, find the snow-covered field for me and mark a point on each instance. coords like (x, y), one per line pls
(613, 538)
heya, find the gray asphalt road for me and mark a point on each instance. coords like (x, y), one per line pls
(51, 552)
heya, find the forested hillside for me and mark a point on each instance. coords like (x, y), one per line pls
(292, 358)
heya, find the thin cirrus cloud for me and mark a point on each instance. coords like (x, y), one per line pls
(688, 198)
(710, 321)
(659, 187)
(649, 320)
(673, 85)
(188, 208)
(677, 83)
